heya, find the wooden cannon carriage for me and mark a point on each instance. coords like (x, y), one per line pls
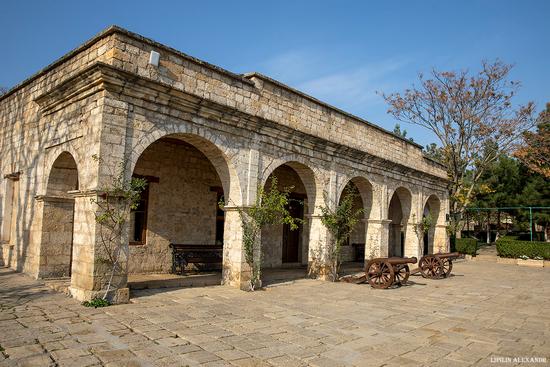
(436, 266)
(384, 272)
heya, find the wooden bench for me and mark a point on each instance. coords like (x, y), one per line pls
(183, 254)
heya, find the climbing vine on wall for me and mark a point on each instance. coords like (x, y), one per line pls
(270, 208)
(114, 203)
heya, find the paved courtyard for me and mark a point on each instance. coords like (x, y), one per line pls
(485, 310)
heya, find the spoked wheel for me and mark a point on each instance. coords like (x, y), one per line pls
(431, 267)
(380, 274)
(402, 273)
(447, 266)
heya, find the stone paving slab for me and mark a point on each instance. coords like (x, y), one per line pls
(484, 311)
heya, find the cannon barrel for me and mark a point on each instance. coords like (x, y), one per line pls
(402, 260)
(448, 255)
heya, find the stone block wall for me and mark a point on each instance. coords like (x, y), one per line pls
(105, 99)
(182, 205)
(57, 238)
(263, 97)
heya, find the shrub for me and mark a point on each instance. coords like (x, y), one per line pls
(466, 246)
(509, 237)
(526, 236)
(516, 249)
(96, 302)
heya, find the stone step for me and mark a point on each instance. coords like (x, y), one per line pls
(489, 258)
(155, 281)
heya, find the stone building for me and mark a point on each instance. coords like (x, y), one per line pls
(197, 132)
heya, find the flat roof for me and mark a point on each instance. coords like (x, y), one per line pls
(244, 78)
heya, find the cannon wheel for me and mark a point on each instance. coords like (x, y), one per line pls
(380, 274)
(447, 266)
(431, 267)
(402, 273)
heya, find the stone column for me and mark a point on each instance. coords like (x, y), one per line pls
(89, 272)
(378, 226)
(377, 238)
(84, 242)
(413, 243)
(318, 259)
(441, 240)
(236, 271)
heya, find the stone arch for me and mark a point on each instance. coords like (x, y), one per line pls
(281, 245)
(188, 174)
(207, 143)
(56, 248)
(63, 176)
(51, 156)
(356, 248)
(432, 207)
(404, 195)
(309, 176)
(399, 212)
(365, 189)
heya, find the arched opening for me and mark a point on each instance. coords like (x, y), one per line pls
(354, 250)
(281, 246)
(58, 219)
(430, 215)
(187, 177)
(398, 213)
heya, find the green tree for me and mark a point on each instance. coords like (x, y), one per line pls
(340, 222)
(433, 151)
(536, 192)
(508, 182)
(402, 133)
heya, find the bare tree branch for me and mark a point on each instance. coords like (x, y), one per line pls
(471, 115)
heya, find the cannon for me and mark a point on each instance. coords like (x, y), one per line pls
(436, 266)
(384, 272)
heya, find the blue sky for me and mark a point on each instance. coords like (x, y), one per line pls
(341, 52)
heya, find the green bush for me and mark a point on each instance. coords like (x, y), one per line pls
(515, 249)
(509, 237)
(96, 302)
(466, 246)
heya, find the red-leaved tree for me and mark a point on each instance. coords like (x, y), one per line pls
(473, 118)
(535, 150)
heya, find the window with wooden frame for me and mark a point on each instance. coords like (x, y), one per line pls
(138, 216)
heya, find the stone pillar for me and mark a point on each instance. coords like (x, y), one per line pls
(236, 271)
(441, 240)
(378, 226)
(318, 259)
(89, 272)
(84, 242)
(377, 238)
(413, 241)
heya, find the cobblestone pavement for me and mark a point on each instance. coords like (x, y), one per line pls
(486, 310)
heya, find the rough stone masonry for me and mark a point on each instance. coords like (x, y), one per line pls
(198, 133)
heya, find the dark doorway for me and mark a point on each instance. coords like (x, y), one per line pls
(291, 239)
